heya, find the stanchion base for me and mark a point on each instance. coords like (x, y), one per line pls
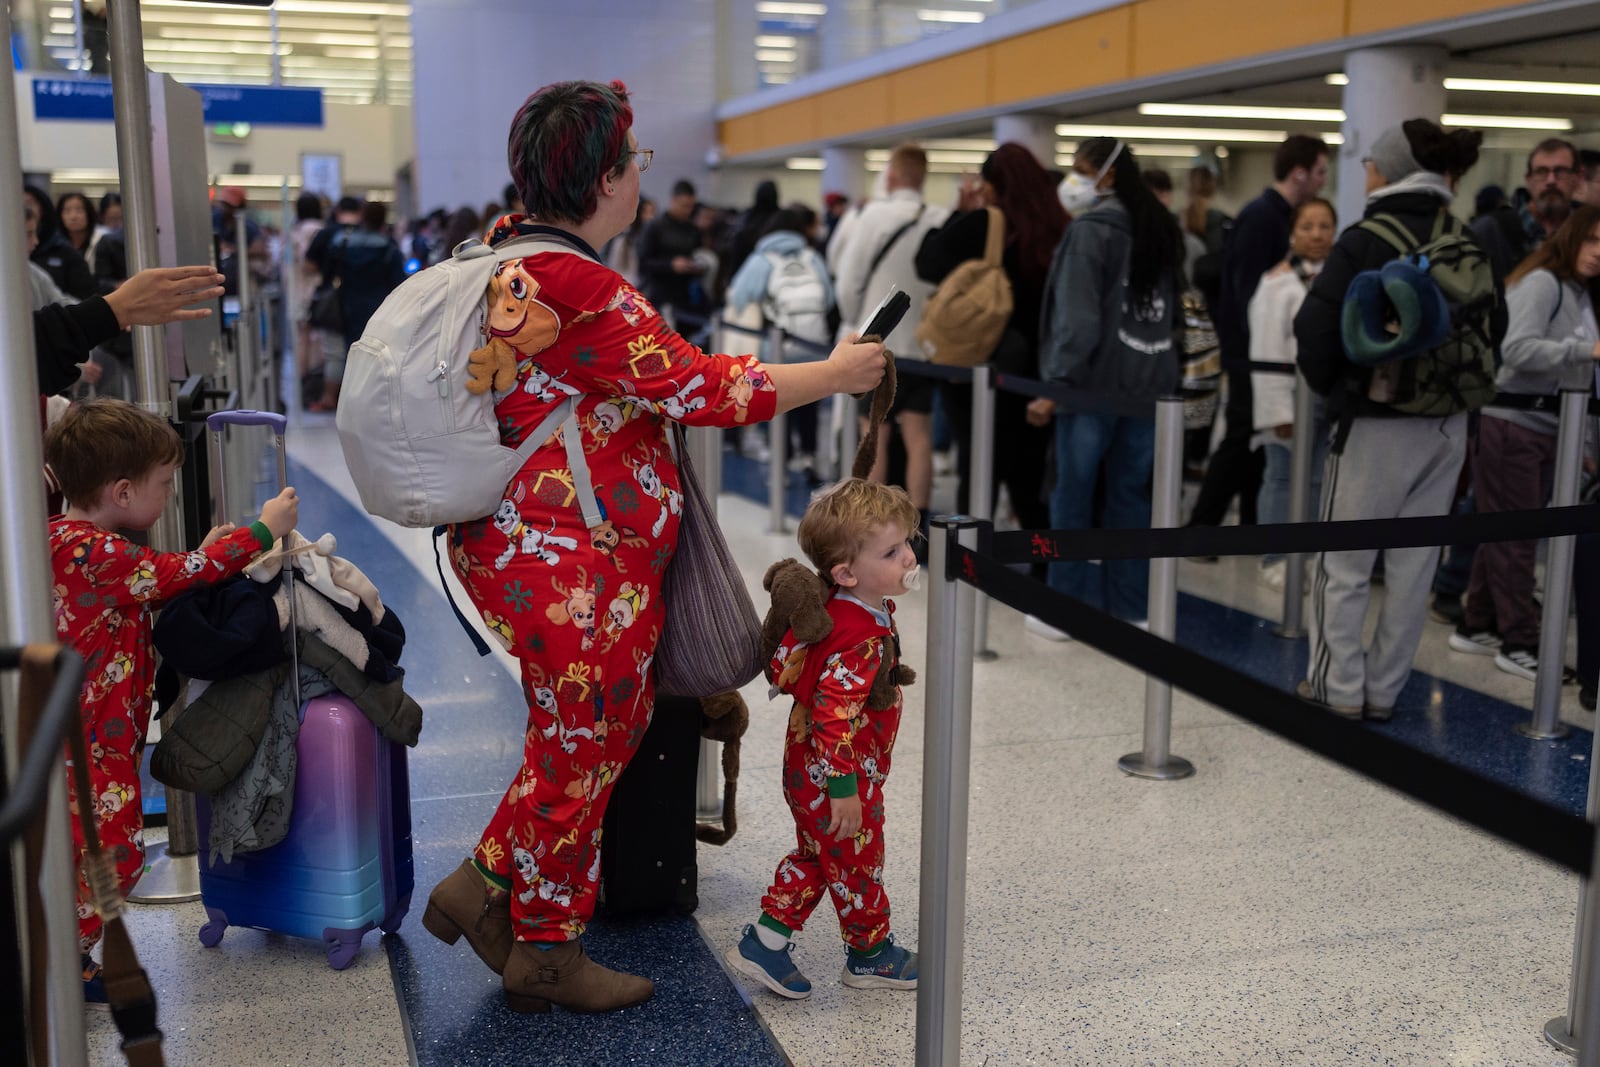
(987, 655)
(1298, 631)
(1556, 1032)
(1134, 764)
(708, 816)
(779, 531)
(1526, 729)
(167, 879)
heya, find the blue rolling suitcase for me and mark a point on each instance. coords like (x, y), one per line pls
(345, 865)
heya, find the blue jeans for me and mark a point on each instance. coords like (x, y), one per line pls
(1272, 505)
(1127, 448)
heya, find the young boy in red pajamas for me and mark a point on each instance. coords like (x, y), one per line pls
(115, 465)
(836, 756)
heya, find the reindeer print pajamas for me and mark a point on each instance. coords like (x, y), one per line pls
(106, 591)
(581, 608)
(836, 745)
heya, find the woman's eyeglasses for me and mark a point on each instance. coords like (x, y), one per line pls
(643, 155)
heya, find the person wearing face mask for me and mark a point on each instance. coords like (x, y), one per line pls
(1272, 311)
(1258, 242)
(1110, 327)
(1385, 462)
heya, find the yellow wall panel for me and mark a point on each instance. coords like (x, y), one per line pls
(1370, 16)
(861, 106)
(741, 134)
(1056, 59)
(941, 87)
(1176, 34)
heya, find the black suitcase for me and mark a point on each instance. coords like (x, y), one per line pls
(647, 859)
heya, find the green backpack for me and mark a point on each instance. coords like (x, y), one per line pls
(1458, 375)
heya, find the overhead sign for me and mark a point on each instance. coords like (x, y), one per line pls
(90, 100)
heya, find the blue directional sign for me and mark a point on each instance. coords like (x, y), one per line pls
(89, 100)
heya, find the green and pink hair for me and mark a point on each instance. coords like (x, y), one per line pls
(564, 138)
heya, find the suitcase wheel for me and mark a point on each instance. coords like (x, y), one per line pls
(392, 921)
(343, 946)
(211, 933)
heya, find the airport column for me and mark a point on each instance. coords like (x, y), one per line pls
(849, 31)
(844, 170)
(1386, 87)
(1036, 133)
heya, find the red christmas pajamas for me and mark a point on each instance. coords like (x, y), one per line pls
(836, 745)
(105, 590)
(579, 608)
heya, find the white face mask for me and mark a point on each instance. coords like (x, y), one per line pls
(1078, 192)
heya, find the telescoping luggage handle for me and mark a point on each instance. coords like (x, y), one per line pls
(219, 421)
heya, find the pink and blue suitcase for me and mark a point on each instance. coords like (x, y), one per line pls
(345, 865)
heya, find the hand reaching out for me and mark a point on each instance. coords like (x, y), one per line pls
(161, 295)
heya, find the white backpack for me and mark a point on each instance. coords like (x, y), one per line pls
(797, 298)
(422, 450)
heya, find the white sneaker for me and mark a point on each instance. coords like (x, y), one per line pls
(1272, 574)
(1477, 643)
(1038, 627)
(1520, 662)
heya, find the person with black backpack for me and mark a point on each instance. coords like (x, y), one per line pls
(1398, 387)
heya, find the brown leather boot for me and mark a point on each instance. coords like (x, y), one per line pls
(535, 978)
(464, 904)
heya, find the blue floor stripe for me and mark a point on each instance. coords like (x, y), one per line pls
(1458, 724)
(474, 717)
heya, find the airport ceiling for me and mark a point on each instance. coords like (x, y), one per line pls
(1482, 82)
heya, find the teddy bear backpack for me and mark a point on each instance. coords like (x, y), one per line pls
(422, 449)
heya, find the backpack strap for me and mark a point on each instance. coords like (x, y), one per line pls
(1391, 231)
(877, 260)
(564, 417)
(994, 241)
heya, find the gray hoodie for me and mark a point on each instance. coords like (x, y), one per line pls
(1091, 337)
(1548, 345)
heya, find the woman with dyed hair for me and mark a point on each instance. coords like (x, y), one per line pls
(1013, 181)
(581, 608)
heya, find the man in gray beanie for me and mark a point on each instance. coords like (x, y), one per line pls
(1388, 460)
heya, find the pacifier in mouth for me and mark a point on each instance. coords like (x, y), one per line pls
(911, 581)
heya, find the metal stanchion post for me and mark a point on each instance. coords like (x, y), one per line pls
(705, 452)
(165, 878)
(25, 602)
(1546, 722)
(777, 448)
(1157, 760)
(1566, 1031)
(981, 490)
(946, 770)
(1300, 507)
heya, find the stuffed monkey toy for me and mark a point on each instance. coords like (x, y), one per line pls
(492, 366)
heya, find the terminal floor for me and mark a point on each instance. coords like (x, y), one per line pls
(1271, 909)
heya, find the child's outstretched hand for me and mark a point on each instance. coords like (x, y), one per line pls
(281, 513)
(217, 533)
(845, 812)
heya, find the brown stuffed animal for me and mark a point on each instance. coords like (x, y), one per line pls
(492, 366)
(800, 595)
(724, 717)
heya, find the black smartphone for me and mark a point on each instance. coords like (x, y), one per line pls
(887, 315)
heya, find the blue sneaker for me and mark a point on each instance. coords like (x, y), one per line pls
(94, 989)
(772, 967)
(891, 967)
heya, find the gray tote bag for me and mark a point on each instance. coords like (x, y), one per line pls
(711, 640)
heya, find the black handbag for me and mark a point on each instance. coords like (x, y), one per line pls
(325, 313)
